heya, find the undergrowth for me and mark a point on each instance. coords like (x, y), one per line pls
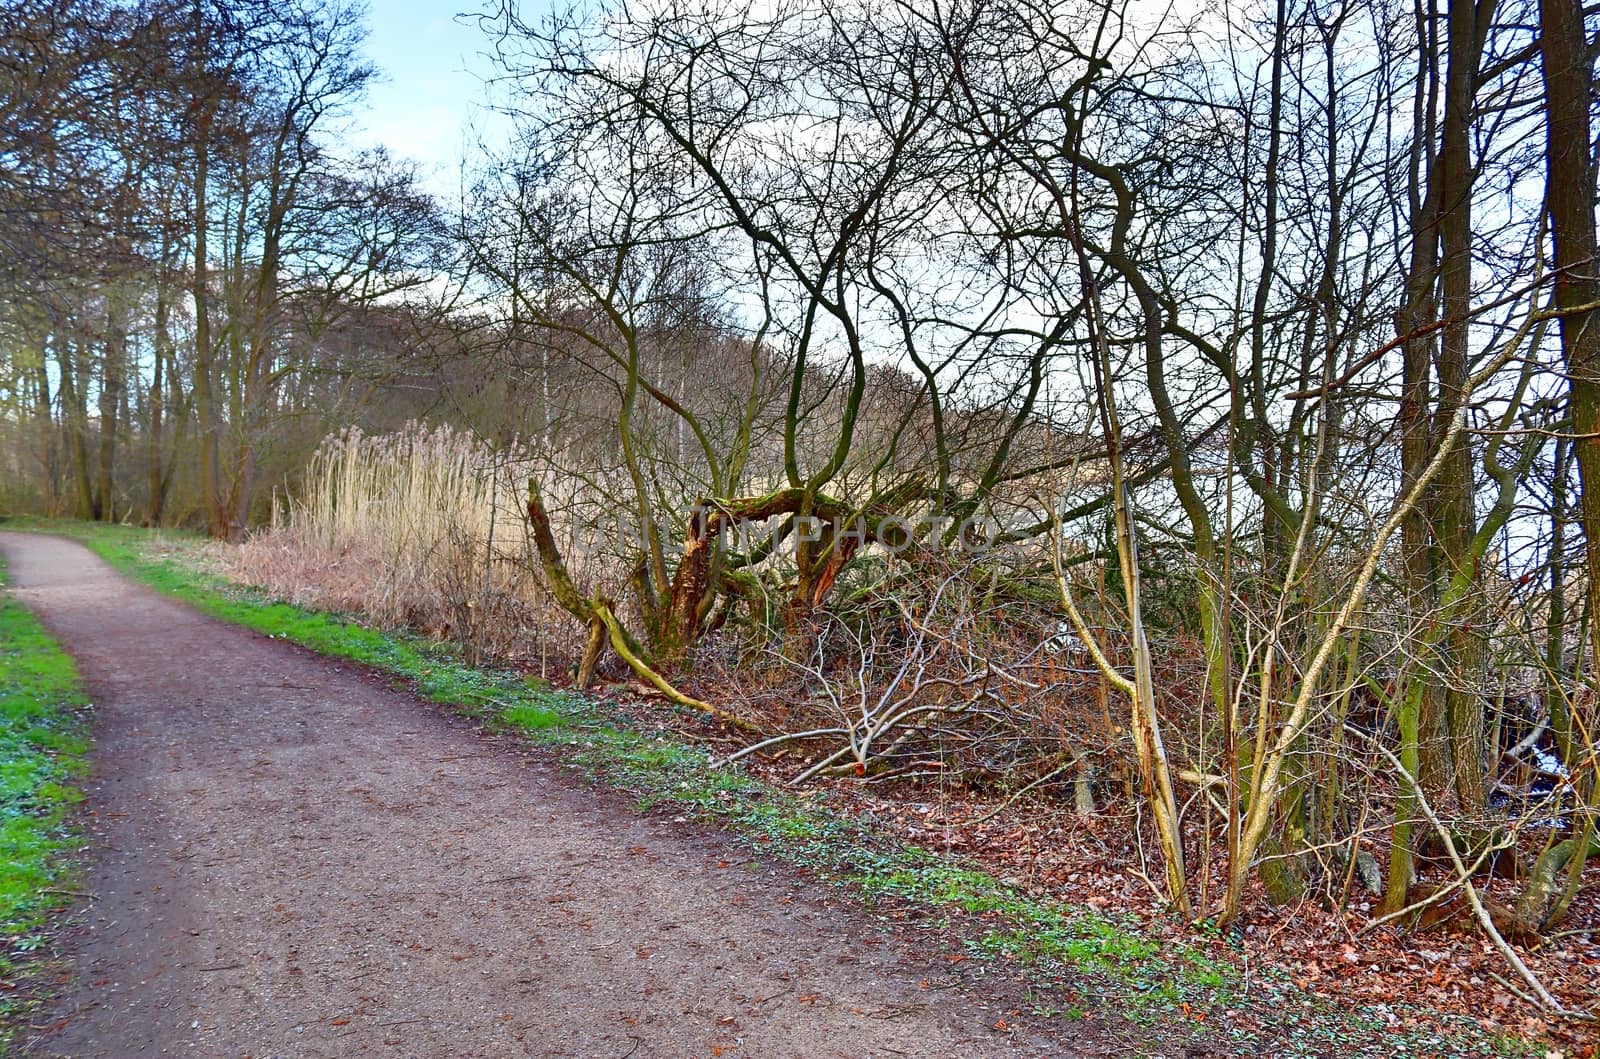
(1080, 954)
(41, 757)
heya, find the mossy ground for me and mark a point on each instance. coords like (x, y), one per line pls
(42, 749)
(1080, 960)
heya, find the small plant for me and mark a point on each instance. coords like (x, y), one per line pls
(531, 718)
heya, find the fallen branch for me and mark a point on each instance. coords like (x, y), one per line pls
(619, 644)
(1485, 920)
(777, 740)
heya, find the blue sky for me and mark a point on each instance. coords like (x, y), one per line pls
(430, 92)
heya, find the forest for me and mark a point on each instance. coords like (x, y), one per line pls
(1182, 424)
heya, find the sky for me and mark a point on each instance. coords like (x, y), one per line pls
(430, 91)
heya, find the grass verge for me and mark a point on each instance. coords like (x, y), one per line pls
(1078, 959)
(41, 756)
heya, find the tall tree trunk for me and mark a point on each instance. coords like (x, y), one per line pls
(74, 380)
(1416, 313)
(205, 366)
(1438, 287)
(204, 351)
(156, 481)
(44, 424)
(1460, 758)
(1569, 196)
(113, 367)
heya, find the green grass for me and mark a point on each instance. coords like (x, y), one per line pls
(531, 718)
(41, 756)
(1068, 951)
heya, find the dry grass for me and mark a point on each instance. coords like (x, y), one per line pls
(420, 529)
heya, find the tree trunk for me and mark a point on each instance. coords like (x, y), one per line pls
(1569, 197)
(204, 351)
(113, 367)
(44, 424)
(155, 480)
(1555, 651)
(1454, 517)
(73, 414)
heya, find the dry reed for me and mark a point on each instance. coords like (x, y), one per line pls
(420, 528)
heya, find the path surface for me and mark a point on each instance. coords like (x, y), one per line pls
(290, 860)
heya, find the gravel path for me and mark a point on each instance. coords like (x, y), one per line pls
(289, 859)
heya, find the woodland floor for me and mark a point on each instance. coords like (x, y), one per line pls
(288, 858)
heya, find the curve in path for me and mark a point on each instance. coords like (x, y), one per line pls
(288, 859)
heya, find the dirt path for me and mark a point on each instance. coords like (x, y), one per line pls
(290, 860)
